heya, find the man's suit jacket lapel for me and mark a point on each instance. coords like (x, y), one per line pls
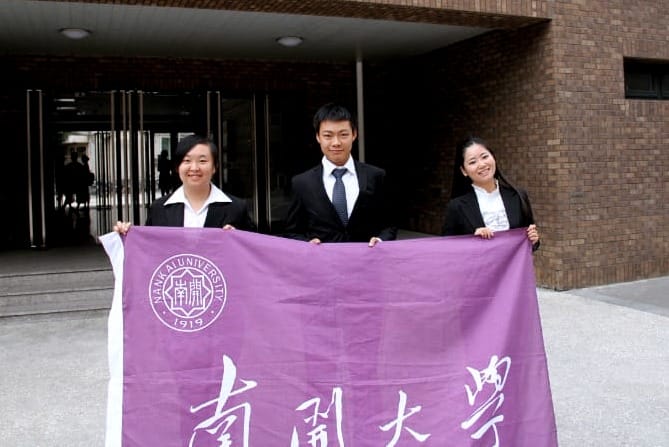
(363, 184)
(361, 172)
(321, 199)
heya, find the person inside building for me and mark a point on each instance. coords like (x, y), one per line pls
(84, 180)
(340, 199)
(488, 202)
(197, 202)
(164, 173)
(68, 179)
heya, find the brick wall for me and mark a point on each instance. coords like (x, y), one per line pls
(167, 74)
(499, 86)
(548, 96)
(486, 13)
(611, 152)
(550, 99)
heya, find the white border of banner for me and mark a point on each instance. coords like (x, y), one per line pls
(113, 245)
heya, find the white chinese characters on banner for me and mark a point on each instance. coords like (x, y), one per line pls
(217, 426)
(318, 434)
(398, 423)
(487, 376)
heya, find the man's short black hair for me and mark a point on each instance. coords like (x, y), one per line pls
(333, 112)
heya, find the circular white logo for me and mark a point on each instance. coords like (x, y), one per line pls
(187, 292)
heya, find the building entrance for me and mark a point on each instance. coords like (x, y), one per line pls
(102, 156)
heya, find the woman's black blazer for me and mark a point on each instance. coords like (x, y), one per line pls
(219, 214)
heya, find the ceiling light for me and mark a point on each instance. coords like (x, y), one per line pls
(289, 41)
(75, 33)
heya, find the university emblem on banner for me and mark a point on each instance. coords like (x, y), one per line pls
(187, 292)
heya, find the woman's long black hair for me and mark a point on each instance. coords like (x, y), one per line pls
(462, 186)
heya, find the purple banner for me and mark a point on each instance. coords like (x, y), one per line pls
(240, 339)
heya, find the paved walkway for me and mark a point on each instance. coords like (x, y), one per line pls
(608, 363)
(607, 352)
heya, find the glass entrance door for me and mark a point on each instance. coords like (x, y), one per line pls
(290, 150)
(103, 150)
(99, 159)
(238, 160)
(95, 155)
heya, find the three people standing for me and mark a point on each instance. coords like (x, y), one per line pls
(341, 199)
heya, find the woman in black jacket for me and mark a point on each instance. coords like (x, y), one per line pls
(197, 202)
(490, 203)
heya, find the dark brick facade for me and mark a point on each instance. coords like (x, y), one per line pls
(550, 99)
(545, 88)
(610, 158)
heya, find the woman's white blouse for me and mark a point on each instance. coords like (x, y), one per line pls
(492, 208)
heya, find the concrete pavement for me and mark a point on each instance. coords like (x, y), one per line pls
(607, 352)
(608, 366)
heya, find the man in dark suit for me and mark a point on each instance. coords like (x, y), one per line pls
(340, 200)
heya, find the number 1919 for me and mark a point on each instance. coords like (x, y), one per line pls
(188, 324)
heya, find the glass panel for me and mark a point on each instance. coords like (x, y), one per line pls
(640, 81)
(646, 79)
(288, 154)
(167, 117)
(640, 85)
(237, 161)
(163, 172)
(77, 150)
(144, 125)
(103, 197)
(665, 86)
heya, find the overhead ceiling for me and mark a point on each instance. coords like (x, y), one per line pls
(32, 28)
